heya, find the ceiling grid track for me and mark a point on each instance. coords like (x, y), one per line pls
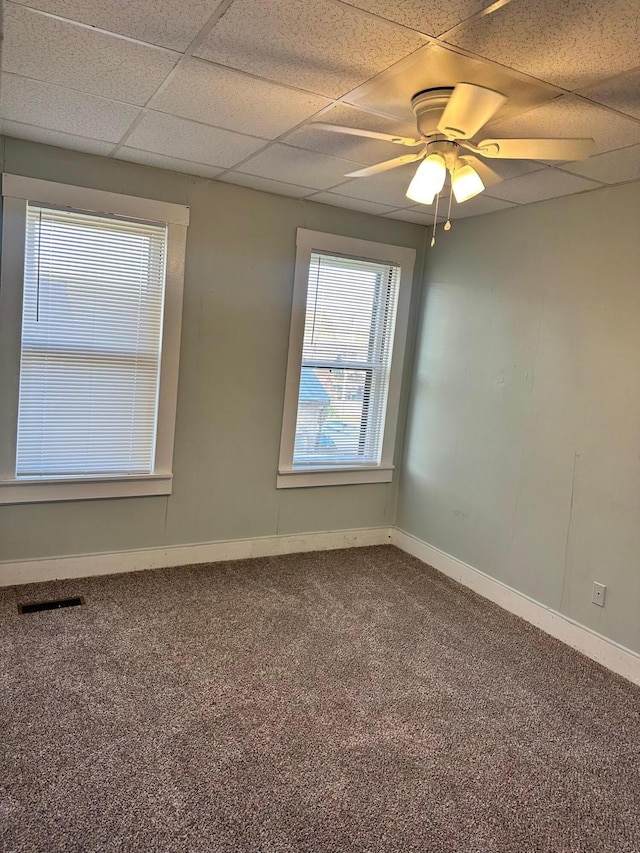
(331, 62)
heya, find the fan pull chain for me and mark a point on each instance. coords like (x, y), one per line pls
(435, 221)
(447, 224)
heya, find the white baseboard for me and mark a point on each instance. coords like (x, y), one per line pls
(606, 652)
(88, 565)
(615, 657)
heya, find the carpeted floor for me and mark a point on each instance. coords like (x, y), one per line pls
(338, 701)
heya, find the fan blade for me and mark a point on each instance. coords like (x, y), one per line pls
(487, 175)
(371, 134)
(536, 149)
(468, 109)
(386, 165)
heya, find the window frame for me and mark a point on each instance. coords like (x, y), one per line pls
(308, 241)
(17, 192)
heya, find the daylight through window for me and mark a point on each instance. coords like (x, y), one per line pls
(346, 349)
(90, 356)
(348, 340)
(90, 322)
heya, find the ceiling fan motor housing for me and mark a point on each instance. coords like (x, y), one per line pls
(447, 149)
(428, 107)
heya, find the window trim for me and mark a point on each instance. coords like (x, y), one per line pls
(18, 191)
(308, 241)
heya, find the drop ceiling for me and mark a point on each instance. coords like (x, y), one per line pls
(227, 89)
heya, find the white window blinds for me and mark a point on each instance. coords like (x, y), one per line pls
(346, 360)
(91, 340)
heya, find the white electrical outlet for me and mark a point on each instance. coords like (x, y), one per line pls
(597, 596)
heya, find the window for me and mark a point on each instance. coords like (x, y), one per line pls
(90, 310)
(348, 329)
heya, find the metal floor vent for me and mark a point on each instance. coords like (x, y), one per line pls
(50, 605)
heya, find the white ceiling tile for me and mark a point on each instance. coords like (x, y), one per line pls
(477, 206)
(354, 117)
(536, 186)
(386, 188)
(54, 137)
(433, 18)
(320, 46)
(622, 94)
(614, 167)
(265, 185)
(571, 43)
(481, 204)
(187, 140)
(297, 166)
(67, 110)
(231, 99)
(571, 116)
(412, 215)
(510, 168)
(160, 161)
(351, 203)
(438, 66)
(69, 55)
(358, 149)
(153, 21)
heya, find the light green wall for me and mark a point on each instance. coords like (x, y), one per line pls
(238, 287)
(522, 452)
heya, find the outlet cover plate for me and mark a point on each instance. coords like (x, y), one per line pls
(597, 596)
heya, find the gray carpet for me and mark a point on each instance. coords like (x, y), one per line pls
(342, 701)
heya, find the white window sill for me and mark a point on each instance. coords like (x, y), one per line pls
(83, 488)
(335, 477)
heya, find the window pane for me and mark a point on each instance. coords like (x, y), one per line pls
(330, 415)
(346, 358)
(82, 417)
(91, 332)
(341, 303)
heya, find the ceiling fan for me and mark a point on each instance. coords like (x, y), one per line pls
(447, 119)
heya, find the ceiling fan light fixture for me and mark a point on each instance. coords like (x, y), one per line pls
(448, 119)
(428, 179)
(466, 183)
